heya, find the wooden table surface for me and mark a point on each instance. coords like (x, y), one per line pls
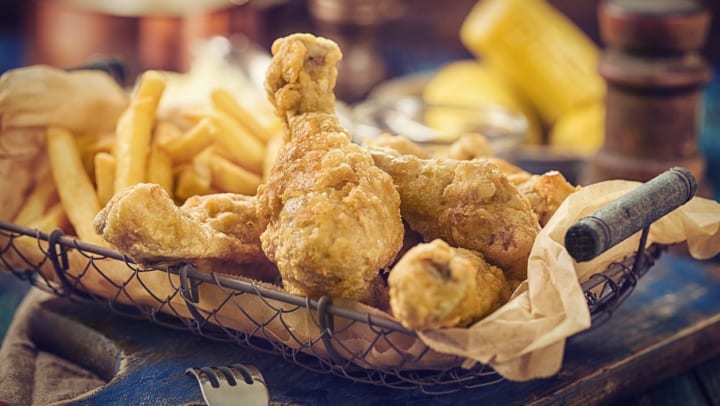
(660, 347)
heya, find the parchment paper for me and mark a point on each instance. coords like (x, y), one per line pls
(525, 338)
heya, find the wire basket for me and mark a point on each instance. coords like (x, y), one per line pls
(65, 266)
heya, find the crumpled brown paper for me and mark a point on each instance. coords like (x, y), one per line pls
(40, 96)
(525, 338)
(35, 97)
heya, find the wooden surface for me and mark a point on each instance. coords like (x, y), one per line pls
(669, 327)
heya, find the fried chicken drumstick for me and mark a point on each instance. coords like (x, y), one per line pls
(469, 204)
(436, 286)
(333, 217)
(219, 232)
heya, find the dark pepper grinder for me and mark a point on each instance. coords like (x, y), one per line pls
(655, 76)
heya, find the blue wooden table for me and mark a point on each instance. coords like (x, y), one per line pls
(660, 347)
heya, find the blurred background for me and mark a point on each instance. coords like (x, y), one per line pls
(407, 35)
(382, 40)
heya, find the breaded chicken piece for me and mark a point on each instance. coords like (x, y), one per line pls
(546, 193)
(144, 223)
(468, 146)
(398, 143)
(333, 217)
(229, 213)
(437, 286)
(469, 204)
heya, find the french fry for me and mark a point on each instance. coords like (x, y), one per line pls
(76, 191)
(228, 177)
(225, 102)
(104, 176)
(89, 145)
(165, 132)
(134, 131)
(183, 148)
(160, 170)
(194, 116)
(241, 147)
(43, 195)
(54, 217)
(191, 182)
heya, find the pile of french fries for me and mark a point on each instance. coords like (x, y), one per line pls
(224, 148)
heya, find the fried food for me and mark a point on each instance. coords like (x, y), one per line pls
(546, 192)
(333, 216)
(213, 232)
(435, 286)
(134, 131)
(468, 146)
(74, 186)
(398, 143)
(104, 163)
(469, 204)
(43, 195)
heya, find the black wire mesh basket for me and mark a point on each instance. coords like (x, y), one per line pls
(264, 318)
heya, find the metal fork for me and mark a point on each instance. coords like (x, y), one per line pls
(235, 384)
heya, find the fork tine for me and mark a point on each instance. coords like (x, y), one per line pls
(229, 375)
(222, 385)
(211, 376)
(245, 372)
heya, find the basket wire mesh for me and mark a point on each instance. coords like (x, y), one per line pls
(50, 271)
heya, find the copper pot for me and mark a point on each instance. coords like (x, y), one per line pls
(67, 33)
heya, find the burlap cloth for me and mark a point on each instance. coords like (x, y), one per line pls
(30, 375)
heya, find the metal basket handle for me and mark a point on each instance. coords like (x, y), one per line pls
(613, 223)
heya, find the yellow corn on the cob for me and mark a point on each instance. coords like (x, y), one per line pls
(474, 84)
(580, 129)
(539, 49)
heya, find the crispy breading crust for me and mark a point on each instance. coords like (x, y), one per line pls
(333, 217)
(437, 286)
(469, 204)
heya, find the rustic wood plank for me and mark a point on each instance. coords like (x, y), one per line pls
(681, 390)
(708, 374)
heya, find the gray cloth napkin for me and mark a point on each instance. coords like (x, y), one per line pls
(31, 376)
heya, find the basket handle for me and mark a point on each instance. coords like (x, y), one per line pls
(613, 223)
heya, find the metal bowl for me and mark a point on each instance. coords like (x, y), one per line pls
(436, 125)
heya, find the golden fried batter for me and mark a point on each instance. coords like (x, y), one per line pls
(546, 192)
(468, 146)
(398, 143)
(436, 286)
(333, 217)
(469, 204)
(144, 223)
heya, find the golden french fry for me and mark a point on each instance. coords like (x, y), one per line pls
(43, 195)
(240, 146)
(227, 176)
(91, 144)
(160, 170)
(194, 116)
(224, 101)
(165, 132)
(76, 191)
(54, 217)
(104, 176)
(191, 182)
(134, 131)
(182, 149)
